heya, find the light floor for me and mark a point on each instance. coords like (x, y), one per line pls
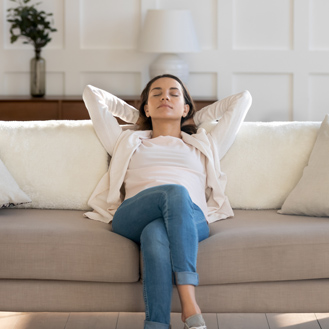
(135, 321)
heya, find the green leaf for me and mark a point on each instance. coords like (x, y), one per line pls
(33, 25)
(13, 38)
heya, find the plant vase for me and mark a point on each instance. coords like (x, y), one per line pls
(38, 75)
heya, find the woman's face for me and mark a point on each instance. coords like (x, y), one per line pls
(166, 100)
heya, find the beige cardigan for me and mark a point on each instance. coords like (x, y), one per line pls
(121, 144)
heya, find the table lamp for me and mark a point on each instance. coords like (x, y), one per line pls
(168, 32)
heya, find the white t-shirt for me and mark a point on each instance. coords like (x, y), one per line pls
(167, 160)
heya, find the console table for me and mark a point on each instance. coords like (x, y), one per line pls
(26, 108)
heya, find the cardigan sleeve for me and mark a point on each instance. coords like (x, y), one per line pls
(101, 105)
(230, 113)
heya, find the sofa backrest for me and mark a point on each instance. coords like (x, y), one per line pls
(59, 163)
(266, 162)
(56, 163)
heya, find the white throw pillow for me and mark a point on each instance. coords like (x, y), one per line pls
(310, 197)
(10, 193)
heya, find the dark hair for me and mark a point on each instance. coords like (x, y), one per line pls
(146, 122)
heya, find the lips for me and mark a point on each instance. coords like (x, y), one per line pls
(165, 105)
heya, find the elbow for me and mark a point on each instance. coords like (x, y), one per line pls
(246, 94)
(247, 97)
(88, 91)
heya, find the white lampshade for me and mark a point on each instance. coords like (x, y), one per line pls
(169, 32)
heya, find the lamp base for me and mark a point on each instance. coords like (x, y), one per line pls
(170, 64)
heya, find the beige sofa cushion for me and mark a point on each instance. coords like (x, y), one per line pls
(262, 246)
(253, 246)
(56, 163)
(63, 245)
(311, 195)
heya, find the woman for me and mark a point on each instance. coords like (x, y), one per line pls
(164, 185)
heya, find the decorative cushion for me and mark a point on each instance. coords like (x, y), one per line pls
(10, 193)
(310, 197)
(56, 163)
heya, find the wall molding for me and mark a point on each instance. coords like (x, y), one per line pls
(287, 68)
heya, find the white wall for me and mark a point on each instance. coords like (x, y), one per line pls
(277, 49)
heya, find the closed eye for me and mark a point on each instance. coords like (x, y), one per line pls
(173, 95)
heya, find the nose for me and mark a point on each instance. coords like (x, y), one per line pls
(165, 97)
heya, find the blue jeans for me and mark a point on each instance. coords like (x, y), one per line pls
(168, 226)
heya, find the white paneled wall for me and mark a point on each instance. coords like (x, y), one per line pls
(109, 24)
(263, 25)
(277, 49)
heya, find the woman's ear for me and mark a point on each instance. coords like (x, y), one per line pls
(146, 110)
(186, 110)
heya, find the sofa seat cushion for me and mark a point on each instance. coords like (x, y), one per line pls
(262, 246)
(63, 245)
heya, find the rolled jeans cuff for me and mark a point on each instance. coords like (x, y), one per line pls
(155, 325)
(187, 278)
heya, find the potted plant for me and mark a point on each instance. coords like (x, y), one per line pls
(34, 26)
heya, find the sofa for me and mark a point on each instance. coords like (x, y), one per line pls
(264, 259)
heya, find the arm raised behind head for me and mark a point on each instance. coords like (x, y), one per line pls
(230, 113)
(101, 105)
